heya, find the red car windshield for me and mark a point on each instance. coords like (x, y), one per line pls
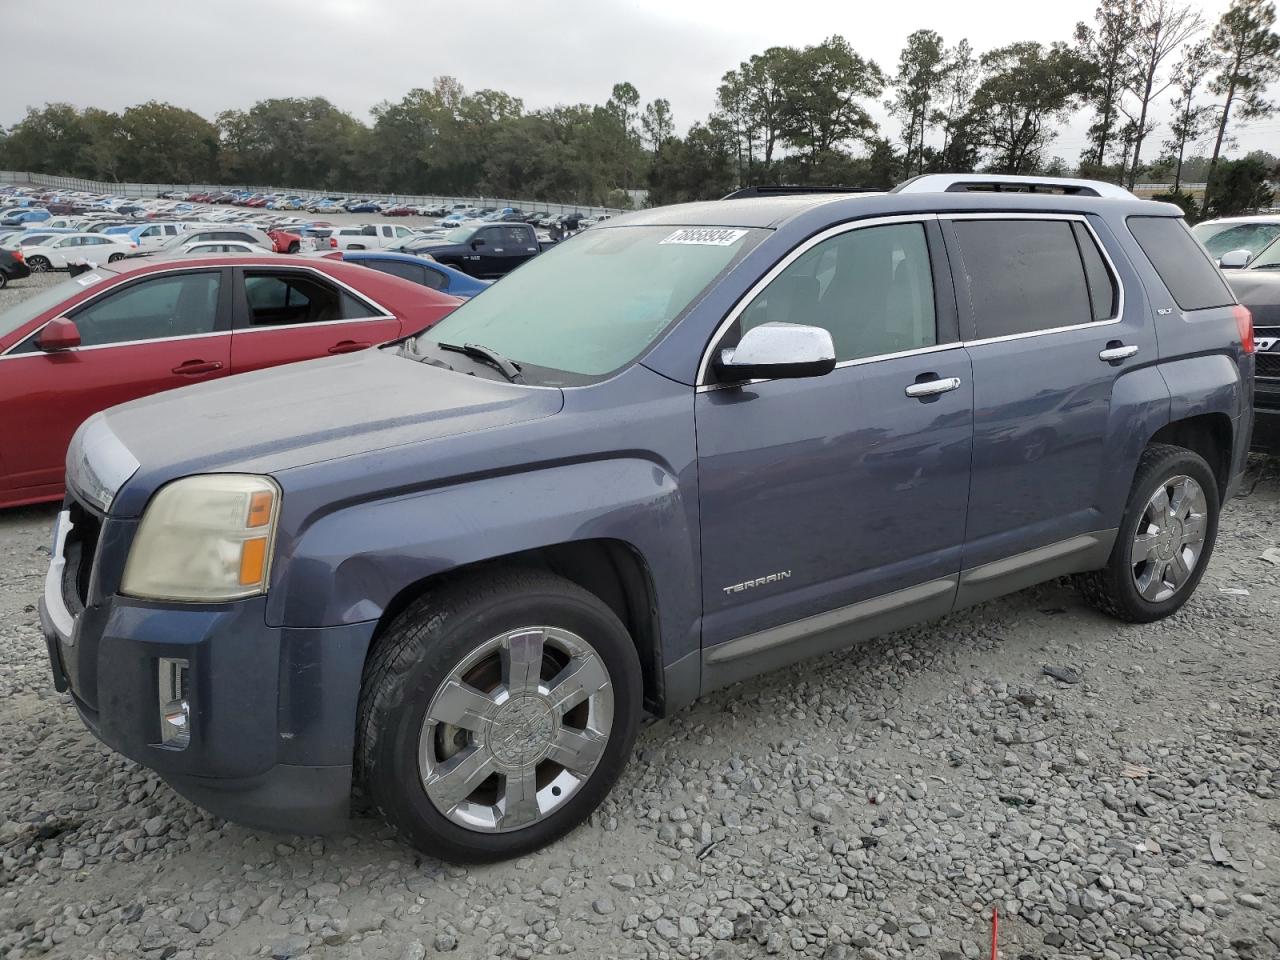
(27, 310)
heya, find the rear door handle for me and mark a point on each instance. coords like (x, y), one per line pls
(931, 388)
(348, 346)
(1117, 351)
(193, 367)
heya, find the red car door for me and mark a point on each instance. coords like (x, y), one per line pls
(285, 314)
(160, 331)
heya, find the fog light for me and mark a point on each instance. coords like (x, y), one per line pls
(175, 712)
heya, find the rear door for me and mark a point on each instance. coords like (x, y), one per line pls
(155, 333)
(1050, 334)
(287, 314)
(522, 244)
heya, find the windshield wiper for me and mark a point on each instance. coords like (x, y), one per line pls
(478, 351)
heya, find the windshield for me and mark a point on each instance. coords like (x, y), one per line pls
(30, 308)
(458, 235)
(1222, 238)
(592, 304)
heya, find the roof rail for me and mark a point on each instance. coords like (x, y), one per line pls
(786, 190)
(1003, 183)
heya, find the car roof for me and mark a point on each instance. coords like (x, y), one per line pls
(771, 212)
(1250, 218)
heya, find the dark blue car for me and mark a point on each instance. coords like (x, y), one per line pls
(688, 445)
(437, 276)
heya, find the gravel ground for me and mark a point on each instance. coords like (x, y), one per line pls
(872, 804)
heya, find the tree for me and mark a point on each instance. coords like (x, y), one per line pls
(824, 86)
(1163, 27)
(697, 167)
(168, 144)
(1106, 52)
(657, 124)
(1246, 49)
(919, 81)
(1190, 120)
(1025, 87)
(52, 139)
(1240, 186)
(961, 73)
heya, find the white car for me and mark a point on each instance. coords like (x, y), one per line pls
(62, 252)
(212, 247)
(1239, 242)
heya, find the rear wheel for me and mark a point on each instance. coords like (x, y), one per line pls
(496, 713)
(1165, 539)
(39, 264)
(4, 279)
(115, 258)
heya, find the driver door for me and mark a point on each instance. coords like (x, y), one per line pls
(155, 333)
(833, 507)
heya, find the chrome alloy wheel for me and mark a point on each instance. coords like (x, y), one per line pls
(1169, 539)
(515, 729)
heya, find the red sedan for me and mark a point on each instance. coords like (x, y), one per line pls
(128, 330)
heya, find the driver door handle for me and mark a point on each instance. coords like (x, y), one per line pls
(348, 346)
(931, 388)
(193, 367)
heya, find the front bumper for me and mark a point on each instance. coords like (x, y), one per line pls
(272, 709)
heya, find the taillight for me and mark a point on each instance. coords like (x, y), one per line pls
(1244, 326)
(333, 243)
(17, 255)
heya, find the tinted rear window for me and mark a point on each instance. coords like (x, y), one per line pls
(1023, 275)
(1193, 281)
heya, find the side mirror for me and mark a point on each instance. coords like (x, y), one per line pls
(58, 334)
(775, 351)
(1234, 259)
(477, 244)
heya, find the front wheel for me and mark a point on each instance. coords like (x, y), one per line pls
(39, 264)
(1165, 539)
(496, 713)
(115, 258)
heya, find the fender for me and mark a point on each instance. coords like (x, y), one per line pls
(1139, 407)
(347, 566)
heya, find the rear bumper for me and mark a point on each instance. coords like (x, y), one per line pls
(272, 709)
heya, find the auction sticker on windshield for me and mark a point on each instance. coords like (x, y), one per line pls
(706, 236)
(88, 279)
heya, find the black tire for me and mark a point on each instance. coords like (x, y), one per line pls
(1112, 589)
(4, 279)
(416, 654)
(295, 247)
(39, 264)
(115, 258)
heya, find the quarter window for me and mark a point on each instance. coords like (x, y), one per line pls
(170, 306)
(1024, 276)
(871, 288)
(1192, 278)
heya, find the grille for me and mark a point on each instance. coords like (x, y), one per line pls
(1268, 365)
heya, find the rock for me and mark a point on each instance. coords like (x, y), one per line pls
(289, 948)
(623, 881)
(603, 906)
(1063, 674)
(445, 943)
(666, 929)
(820, 812)
(413, 950)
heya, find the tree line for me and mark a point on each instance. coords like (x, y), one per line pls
(785, 115)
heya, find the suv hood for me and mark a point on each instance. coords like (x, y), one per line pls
(301, 413)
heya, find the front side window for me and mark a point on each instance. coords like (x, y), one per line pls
(591, 305)
(279, 299)
(169, 306)
(871, 288)
(1023, 276)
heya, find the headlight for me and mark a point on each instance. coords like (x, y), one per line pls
(205, 538)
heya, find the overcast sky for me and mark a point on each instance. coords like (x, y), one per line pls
(211, 55)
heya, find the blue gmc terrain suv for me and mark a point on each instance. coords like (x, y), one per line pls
(451, 577)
